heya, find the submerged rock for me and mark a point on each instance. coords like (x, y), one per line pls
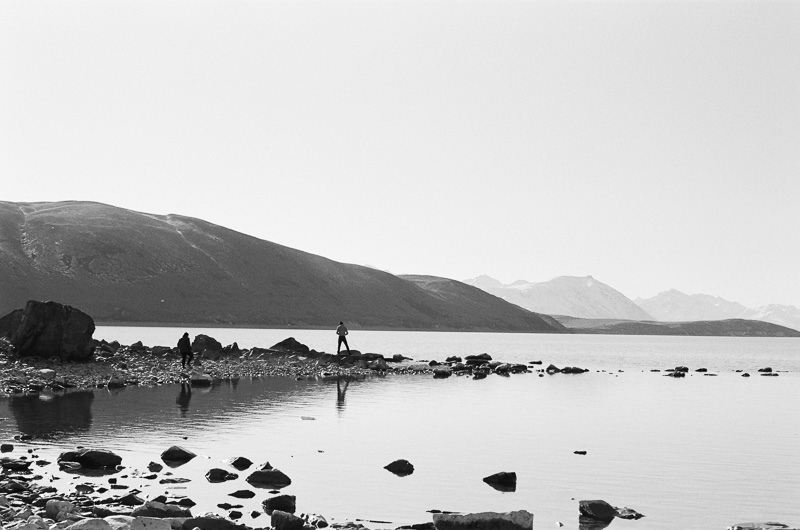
(281, 520)
(241, 463)
(269, 478)
(92, 458)
(597, 509)
(284, 503)
(220, 475)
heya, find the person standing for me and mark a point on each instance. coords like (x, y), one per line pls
(185, 349)
(341, 330)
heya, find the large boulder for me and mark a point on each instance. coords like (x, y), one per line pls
(10, 322)
(598, 510)
(50, 329)
(208, 347)
(517, 520)
(92, 458)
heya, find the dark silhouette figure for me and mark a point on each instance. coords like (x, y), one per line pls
(184, 397)
(185, 349)
(340, 391)
(341, 330)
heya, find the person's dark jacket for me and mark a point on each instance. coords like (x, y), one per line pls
(184, 346)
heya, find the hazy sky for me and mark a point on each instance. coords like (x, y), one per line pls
(653, 145)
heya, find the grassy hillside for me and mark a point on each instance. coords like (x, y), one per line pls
(122, 266)
(713, 328)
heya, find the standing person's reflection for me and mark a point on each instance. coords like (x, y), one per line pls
(340, 391)
(184, 397)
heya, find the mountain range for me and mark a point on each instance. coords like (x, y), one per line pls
(121, 266)
(587, 298)
(127, 267)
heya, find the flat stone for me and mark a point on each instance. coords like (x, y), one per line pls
(517, 520)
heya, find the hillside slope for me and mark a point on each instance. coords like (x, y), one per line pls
(122, 266)
(710, 328)
(582, 297)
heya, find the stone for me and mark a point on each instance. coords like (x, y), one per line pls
(316, 520)
(442, 372)
(220, 475)
(628, 513)
(47, 374)
(552, 369)
(198, 378)
(14, 464)
(681, 369)
(284, 503)
(10, 322)
(243, 494)
(119, 522)
(597, 509)
(130, 499)
(92, 458)
(401, 468)
(210, 522)
(767, 525)
(281, 520)
(517, 520)
(6, 448)
(176, 456)
(154, 467)
(160, 510)
(482, 357)
(55, 508)
(241, 463)
(291, 345)
(503, 481)
(150, 523)
(204, 343)
(765, 370)
(269, 478)
(573, 370)
(49, 329)
(90, 524)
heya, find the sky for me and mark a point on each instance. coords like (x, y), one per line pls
(650, 144)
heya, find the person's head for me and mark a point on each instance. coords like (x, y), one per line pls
(186, 334)
(341, 323)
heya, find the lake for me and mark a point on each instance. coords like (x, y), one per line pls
(697, 452)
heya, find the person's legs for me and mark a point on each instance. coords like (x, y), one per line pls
(345, 344)
(339, 344)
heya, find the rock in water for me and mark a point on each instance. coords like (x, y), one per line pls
(241, 463)
(269, 478)
(401, 468)
(176, 456)
(92, 458)
(220, 475)
(286, 521)
(518, 520)
(49, 329)
(598, 510)
(284, 503)
(503, 481)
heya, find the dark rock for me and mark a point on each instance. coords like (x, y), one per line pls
(597, 509)
(235, 514)
(130, 499)
(228, 506)
(160, 510)
(281, 520)
(418, 526)
(702, 370)
(482, 357)
(765, 370)
(769, 374)
(453, 359)
(675, 374)
(210, 522)
(13, 464)
(479, 375)
(292, 346)
(10, 322)
(186, 502)
(243, 494)
(231, 349)
(518, 520)
(573, 370)
(174, 480)
(92, 458)
(284, 503)
(745, 374)
(767, 525)
(220, 475)
(269, 478)
(401, 468)
(154, 467)
(503, 481)
(176, 456)
(681, 369)
(6, 448)
(206, 344)
(552, 369)
(240, 463)
(580, 452)
(49, 329)
(442, 373)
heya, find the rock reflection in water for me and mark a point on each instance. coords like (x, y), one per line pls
(48, 415)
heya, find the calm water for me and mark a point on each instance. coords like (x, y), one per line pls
(699, 452)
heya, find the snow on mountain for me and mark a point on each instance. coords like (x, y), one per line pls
(582, 297)
(675, 306)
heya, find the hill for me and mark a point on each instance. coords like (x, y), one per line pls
(582, 297)
(713, 328)
(122, 266)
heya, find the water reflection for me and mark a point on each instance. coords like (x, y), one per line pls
(47, 415)
(184, 398)
(587, 523)
(341, 389)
